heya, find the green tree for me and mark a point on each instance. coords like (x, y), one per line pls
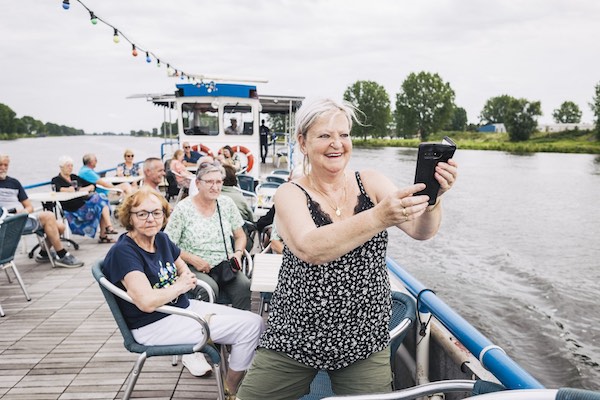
(7, 118)
(32, 125)
(424, 104)
(495, 109)
(277, 122)
(458, 122)
(567, 113)
(520, 119)
(374, 102)
(595, 106)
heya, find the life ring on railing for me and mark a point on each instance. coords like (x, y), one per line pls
(204, 149)
(247, 153)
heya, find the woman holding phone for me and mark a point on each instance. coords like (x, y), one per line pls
(332, 304)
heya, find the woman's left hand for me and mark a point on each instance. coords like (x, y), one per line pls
(446, 174)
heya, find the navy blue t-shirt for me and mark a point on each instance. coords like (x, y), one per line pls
(126, 256)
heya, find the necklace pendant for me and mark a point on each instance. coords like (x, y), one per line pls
(338, 212)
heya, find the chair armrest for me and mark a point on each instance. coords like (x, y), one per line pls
(247, 264)
(456, 385)
(400, 328)
(110, 189)
(206, 286)
(163, 309)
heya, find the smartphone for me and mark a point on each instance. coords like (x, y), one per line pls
(429, 155)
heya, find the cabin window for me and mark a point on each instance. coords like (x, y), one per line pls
(238, 119)
(200, 119)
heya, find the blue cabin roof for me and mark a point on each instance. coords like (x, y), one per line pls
(216, 90)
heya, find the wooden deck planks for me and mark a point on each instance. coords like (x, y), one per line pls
(64, 343)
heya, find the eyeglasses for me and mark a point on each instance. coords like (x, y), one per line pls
(156, 214)
(186, 147)
(128, 155)
(212, 182)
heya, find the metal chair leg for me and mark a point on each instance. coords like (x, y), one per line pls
(18, 276)
(135, 374)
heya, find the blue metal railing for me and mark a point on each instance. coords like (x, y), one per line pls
(506, 370)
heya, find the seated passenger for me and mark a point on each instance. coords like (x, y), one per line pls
(14, 198)
(87, 173)
(232, 129)
(229, 184)
(128, 168)
(228, 157)
(148, 265)
(182, 175)
(202, 225)
(154, 172)
(84, 214)
(190, 157)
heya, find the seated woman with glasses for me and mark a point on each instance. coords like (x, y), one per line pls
(84, 214)
(128, 168)
(203, 224)
(148, 265)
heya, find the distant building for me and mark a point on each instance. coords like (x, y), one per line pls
(492, 128)
(564, 127)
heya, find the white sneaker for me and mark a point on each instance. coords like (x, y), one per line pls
(196, 363)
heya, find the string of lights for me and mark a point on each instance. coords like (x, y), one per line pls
(136, 49)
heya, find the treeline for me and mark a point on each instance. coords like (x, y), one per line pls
(425, 104)
(12, 127)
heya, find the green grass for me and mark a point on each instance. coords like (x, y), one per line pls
(540, 142)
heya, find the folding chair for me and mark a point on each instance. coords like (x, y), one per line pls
(110, 293)
(11, 228)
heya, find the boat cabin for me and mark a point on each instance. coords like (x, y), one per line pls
(210, 116)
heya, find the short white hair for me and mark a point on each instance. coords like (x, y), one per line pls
(64, 160)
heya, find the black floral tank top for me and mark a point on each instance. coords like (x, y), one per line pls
(331, 315)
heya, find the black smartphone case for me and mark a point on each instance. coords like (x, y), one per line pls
(429, 155)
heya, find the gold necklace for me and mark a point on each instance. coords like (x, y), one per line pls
(338, 210)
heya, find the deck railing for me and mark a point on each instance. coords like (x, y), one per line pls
(491, 356)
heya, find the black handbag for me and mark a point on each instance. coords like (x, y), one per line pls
(224, 272)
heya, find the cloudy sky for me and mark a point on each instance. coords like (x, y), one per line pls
(57, 67)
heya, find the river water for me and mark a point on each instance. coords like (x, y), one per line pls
(518, 253)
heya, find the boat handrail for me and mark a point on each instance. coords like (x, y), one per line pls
(491, 356)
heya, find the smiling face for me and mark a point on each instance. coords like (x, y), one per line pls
(327, 143)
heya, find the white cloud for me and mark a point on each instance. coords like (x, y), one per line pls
(56, 66)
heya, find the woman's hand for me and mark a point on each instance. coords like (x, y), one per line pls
(238, 256)
(186, 281)
(446, 174)
(198, 263)
(402, 206)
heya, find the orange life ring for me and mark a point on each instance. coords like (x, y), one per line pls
(206, 150)
(247, 153)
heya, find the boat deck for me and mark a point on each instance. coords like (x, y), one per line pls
(65, 344)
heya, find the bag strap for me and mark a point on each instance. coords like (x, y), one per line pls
(222, 230)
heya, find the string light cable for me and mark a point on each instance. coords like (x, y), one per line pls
(136, 49)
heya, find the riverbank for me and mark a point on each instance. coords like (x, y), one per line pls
(540, 142)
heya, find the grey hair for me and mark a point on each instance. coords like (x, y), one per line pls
(87, 158)
(62, 161)
(4, 157)
(148, 163)
(307, 116)
(208, 167)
